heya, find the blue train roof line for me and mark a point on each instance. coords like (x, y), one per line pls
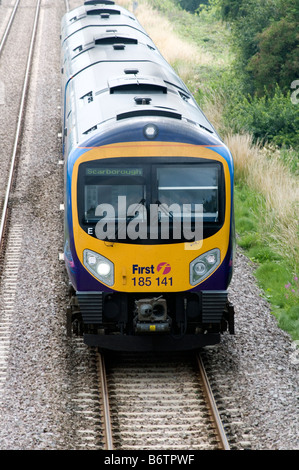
(171, 127)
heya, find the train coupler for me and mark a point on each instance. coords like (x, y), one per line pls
(152, 316)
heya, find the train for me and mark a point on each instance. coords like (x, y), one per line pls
(149, 236)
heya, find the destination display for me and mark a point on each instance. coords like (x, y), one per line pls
(114, 171)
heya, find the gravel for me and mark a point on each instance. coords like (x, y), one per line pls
(254, 372)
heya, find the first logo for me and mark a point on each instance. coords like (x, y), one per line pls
(164, 267)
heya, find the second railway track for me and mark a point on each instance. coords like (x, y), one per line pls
(16, 70)
(11, 122)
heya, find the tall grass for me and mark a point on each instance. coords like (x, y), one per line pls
(262, 170)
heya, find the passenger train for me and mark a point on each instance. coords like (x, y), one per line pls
(149, 220)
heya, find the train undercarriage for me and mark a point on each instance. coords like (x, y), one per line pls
(168, 321)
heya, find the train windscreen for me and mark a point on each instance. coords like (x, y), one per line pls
(150, 201)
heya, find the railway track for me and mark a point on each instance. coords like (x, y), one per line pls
(8, 25)
(14, 127)
(158, 403)
(11, 231)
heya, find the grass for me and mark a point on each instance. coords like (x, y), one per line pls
(266, 191)
(275, 271)
(183, 56)
(264, 172)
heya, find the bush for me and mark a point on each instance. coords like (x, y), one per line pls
(191, 5)
(269, 118)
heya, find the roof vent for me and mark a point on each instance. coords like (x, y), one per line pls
(119, 46)
(94, 128)
(78, 48)
(99, 2)
(114, 39)
(131, 71)
(148, 112)
(101, 11)
(136, 85)
(87, 98)
(142, 100)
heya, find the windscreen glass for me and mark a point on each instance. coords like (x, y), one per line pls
(103, 186)
(187, 186)
(150, 202)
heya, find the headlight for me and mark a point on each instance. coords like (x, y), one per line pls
(204, 265)
(103, 269)
(200, 268)
(99, 266)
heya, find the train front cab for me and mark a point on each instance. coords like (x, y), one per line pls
(151, 293)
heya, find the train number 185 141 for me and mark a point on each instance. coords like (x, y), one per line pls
(148, 281)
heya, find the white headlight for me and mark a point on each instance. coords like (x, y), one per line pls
(103, 269)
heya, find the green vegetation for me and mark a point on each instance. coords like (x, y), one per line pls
(265, 35)
(245, 90)
(274, 271)
(255, 47)
(269, 118)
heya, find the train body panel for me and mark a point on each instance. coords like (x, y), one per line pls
(149, 229)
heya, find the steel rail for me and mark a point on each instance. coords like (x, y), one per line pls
(105, 403)
(10, 21)
(19, 123)
(224, 445)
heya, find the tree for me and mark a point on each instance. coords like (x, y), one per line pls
(266, 39)
(277, 58)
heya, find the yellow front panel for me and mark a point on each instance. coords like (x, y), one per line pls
(150, 268)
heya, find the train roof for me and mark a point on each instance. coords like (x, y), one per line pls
(113, 71)
(97, 16)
